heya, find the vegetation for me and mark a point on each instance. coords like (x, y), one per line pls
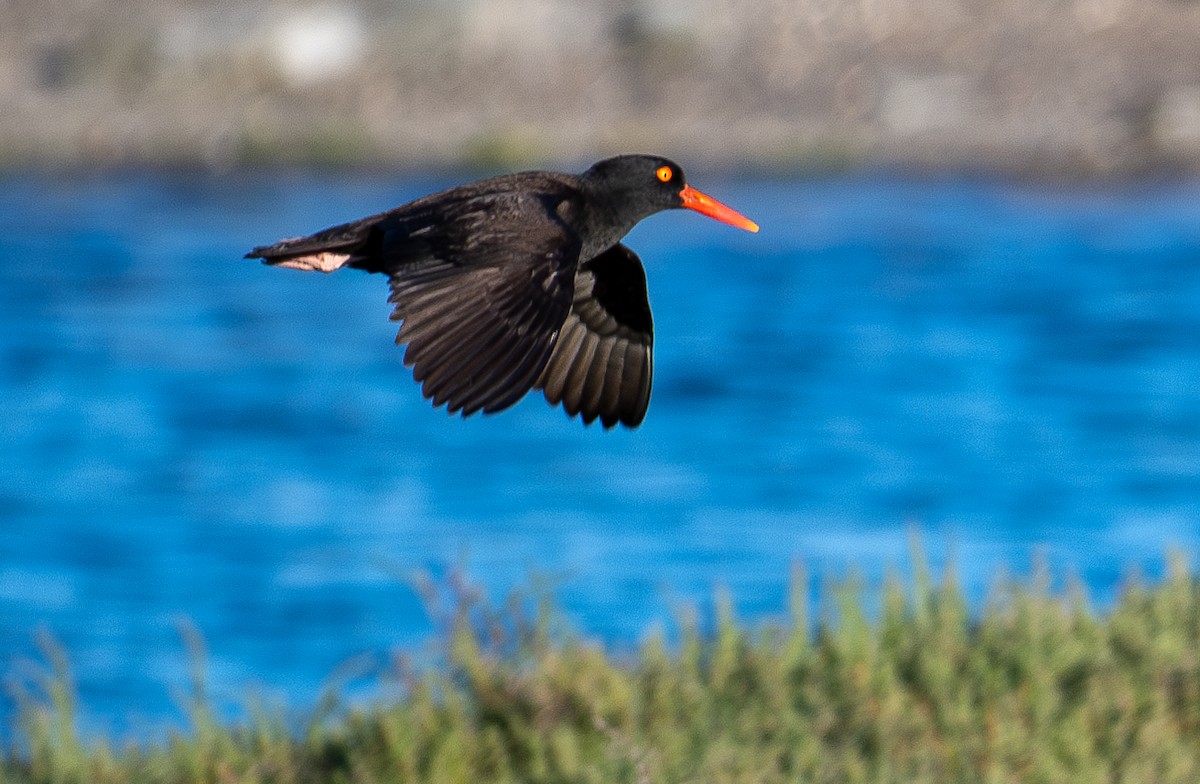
(903, 685)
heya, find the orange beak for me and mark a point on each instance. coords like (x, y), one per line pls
(706, 205)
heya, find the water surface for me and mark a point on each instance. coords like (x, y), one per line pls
(1012, 369)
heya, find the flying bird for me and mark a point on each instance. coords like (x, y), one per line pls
(520, 282)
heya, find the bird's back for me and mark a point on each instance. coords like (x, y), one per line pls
(456, 217)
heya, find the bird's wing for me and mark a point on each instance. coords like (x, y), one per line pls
(482, 294)
(603, 361)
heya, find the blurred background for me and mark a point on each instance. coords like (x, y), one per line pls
(973, 313)
(1068, 86)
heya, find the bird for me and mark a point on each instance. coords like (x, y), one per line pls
(520, 282)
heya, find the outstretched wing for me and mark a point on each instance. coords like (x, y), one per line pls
(603, 361)
(482, 295)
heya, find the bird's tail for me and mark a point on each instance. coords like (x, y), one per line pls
(324, 261)
(302, 254)
(325, 251)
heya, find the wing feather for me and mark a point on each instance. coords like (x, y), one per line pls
(601, 364)
(554, 380)
(481, 301)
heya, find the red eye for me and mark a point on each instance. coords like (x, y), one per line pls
(664, 173)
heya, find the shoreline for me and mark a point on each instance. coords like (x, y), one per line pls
(1083, 89)
(764, 169)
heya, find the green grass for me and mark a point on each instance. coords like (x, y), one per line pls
(902, 684)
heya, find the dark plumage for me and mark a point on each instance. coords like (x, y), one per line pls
(519, 282)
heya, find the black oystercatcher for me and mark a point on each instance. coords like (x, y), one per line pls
(520, 282)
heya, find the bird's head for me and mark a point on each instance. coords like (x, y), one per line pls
(646, 184)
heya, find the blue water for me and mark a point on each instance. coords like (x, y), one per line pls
(1013, 370)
